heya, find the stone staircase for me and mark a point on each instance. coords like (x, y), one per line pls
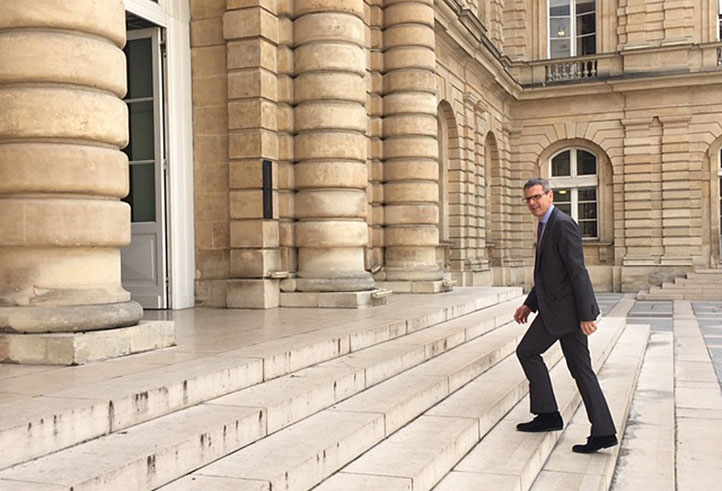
(703, 284)
(417, 403)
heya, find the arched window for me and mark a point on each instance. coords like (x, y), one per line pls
(572, 28)
(574, 176)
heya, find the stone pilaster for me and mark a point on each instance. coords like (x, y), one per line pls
(496, 23)
(62, 174)
(640, 23)
(251, 34)
(331, 172)
(679, 21)
(681, 194)
(642, 200)
(411, 188)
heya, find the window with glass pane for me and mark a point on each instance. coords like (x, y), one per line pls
(575, 182)
(572, 28)
(719, 11)
(563, 200)
(561, 164)
(141, 129)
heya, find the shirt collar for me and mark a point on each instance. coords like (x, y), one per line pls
(546, 216)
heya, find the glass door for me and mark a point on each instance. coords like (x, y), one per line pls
(144, 265)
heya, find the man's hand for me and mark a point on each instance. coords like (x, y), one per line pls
(522, 314)
(588, 327)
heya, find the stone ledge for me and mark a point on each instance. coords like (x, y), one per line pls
(437, 286)
(82, 347)
(344, 300)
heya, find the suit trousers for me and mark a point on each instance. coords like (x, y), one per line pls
(576, 352)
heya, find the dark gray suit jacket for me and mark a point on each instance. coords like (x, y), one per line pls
(562, 291)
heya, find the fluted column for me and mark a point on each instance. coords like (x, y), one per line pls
(411, 189)
(62, 174)
(330, 146)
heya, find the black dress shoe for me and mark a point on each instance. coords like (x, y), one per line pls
(595, 443)
(543, 422)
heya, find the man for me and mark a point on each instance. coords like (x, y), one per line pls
(567, 311)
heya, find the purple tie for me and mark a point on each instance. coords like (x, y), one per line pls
(539, 229)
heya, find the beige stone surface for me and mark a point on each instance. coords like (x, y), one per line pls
(84, 347)
(422, 451)
(345, 481)
(133, 457)
(307, 460)
(648, 449)
(383, 361)
(200, 483)
(286, 400)
(399, 399)
(468, 481)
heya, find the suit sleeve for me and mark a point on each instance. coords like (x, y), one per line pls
(572, 254)
(531, 300)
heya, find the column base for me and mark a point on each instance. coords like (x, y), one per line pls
(438, 286)
(76, 348)
(411, 274)
(342, 300)
(252, 294)
(348, 284)
(69, 318)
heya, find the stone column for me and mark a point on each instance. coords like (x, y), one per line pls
(411, 151)
(62, 174)
(331, 175)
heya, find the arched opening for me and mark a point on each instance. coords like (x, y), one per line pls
(493, 223)
(452, 184)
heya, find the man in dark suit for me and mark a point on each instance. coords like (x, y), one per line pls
(567, 311)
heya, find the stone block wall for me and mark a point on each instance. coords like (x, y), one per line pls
(210, 145)
(410, 151)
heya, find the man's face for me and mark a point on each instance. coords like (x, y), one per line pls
(538, 201)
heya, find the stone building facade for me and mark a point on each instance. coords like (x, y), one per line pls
(279, 147)
(437, 112)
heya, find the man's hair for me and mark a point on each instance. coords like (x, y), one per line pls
(538, 181)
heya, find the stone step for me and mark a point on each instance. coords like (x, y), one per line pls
(425, 450)
(697, 406)
(263, 408)
(567, 470)
(647, 456)
(679, 295)
(397, 401)
(509, 459)
(66, 414)
(702, 280)
(704, 272)
(689, 286)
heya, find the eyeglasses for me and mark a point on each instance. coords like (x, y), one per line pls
(534, 197)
